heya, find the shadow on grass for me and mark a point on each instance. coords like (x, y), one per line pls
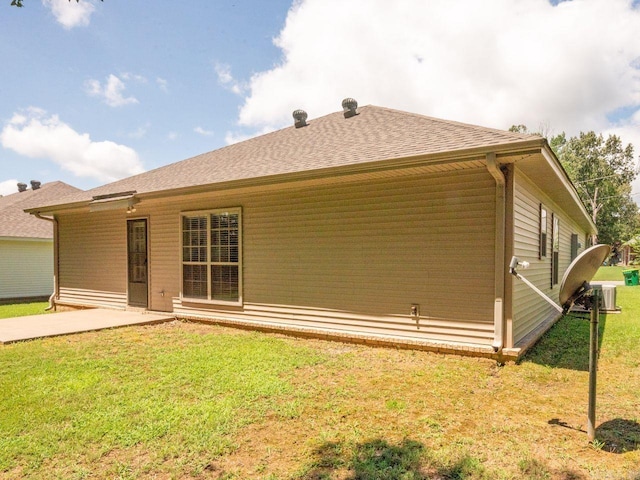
(566, 344)
(619, 435)
(376, 459)
(379, 460)
(614, 436)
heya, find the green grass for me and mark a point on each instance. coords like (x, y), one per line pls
(564, 345)
(67, 404)
(22, 309)
(611, 273)
(184, 400)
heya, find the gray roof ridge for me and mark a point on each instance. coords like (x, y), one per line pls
(17, 198)
(516, 135)
(15, 223)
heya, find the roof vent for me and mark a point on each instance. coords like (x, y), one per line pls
(35, 184)
(300, 117)
(350, 107)
(22, 187)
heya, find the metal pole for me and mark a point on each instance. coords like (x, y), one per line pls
(593, 365)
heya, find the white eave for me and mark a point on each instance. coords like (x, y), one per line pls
(547, 172)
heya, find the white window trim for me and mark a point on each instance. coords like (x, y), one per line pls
(543, 227)
(209, 300)
(555, 249)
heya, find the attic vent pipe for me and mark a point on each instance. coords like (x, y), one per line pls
(35, 184)
(22, 187)
(300, 117)
(350, 107)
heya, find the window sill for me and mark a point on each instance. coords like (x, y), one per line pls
(210, 303)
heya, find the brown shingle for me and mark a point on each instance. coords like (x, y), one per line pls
(14, 222)
(375, 134)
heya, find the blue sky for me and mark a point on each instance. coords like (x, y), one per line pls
(95, 91)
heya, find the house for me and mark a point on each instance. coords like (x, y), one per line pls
(371, 224)
(26, 242)
(627, 252)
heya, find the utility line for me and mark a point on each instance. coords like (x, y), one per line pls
(598, 178)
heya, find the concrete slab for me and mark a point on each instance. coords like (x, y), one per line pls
(65, 323)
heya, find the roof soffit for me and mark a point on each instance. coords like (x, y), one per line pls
(545, 171)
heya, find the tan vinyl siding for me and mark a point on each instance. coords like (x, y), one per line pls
(353, 257)
(530, 310)
(93, 259)
(164, 255)
(26, 268)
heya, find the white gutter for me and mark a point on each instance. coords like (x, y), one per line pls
(499, 275)
(52, 298)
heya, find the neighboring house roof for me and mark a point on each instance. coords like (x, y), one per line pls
(14, 222)
(374, 138)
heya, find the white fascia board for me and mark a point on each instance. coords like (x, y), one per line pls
(557, 168)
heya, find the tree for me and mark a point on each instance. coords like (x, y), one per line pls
(544, 129)
(602, 171)
(519, 129)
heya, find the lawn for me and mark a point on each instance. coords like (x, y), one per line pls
(185, 400)
(22, 309)
(611, 273)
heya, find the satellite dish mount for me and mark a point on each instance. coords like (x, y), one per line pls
(575, 285)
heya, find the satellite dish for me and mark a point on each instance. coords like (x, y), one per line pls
(575, 281)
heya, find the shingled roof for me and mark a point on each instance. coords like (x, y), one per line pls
(15, 223)
(376, 134)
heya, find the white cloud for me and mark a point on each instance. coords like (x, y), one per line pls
(111, 92)
(71, 14)
(135, 77)
(39, 135)
(162, 84)
(225, 79)
(224, 73)
(629, 132)
(202, 131)
(8, 187)
(140, 132)
(493, 63)
(172, 136)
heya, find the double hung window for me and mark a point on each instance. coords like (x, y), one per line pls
(212, 256)
(555, 249)
(542, 248)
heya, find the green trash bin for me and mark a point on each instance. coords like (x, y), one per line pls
(630, 277)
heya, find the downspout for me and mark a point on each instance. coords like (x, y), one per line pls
(499, 274)
(56, 266)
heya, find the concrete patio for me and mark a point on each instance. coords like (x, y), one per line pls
(77, 321)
